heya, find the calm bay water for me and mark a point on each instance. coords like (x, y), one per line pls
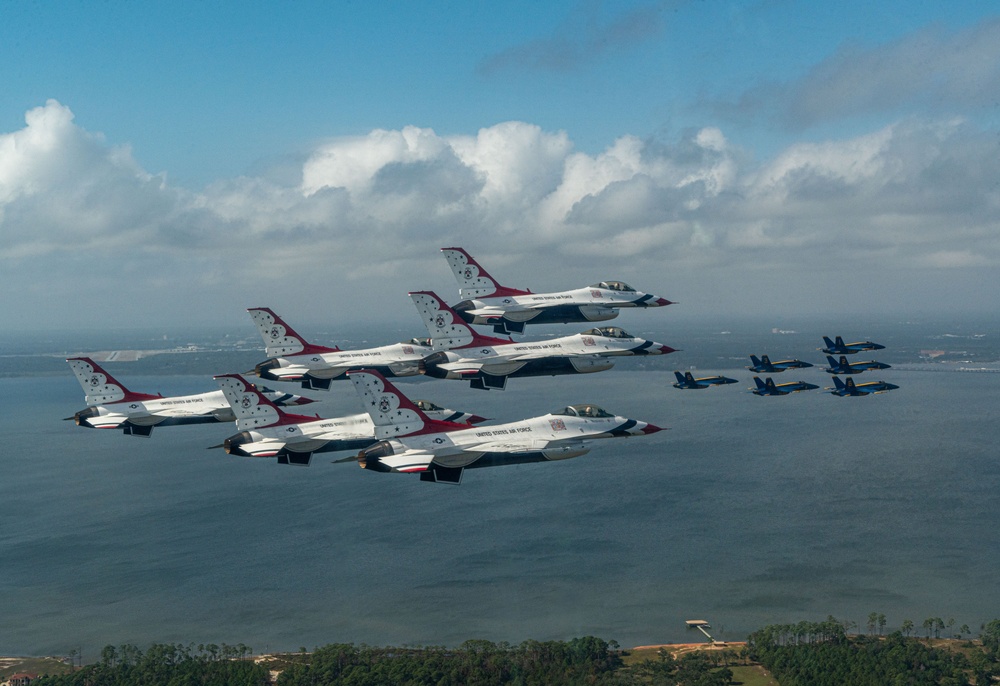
(748, 511)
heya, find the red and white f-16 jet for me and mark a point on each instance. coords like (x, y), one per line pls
(440, 451)
(112, 406)
(292, 358)
(267, 431)
(485, 301)
(487, 362)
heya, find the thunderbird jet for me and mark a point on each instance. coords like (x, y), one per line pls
(267, 431)
(844, 367)
(687, 380)
(842, 388)
(838, 347)
(440, 451)
(291, 358)
(507, 310)
(765, 366)
(768, 387)
(486, 362)
(112, 406)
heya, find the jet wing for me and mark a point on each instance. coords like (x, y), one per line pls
(507, 367)
(182, 412)
(513, 312)
(551, 447)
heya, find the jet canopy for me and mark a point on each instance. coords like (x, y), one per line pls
(427, 406)
(614, 286)
(426, 342)
(608, 332)
(592, 411)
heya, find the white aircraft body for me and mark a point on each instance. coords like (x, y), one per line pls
(485, 301)
(462, 353)
(292, 358)
(267, 431)
(113, 406)
(440, 451)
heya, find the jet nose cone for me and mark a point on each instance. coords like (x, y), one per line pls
(302, 400)
(662, 302)
(651, 429)
(476, 419)
(666, 350)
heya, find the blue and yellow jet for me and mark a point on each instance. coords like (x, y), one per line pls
(838, 347)
(768, 387)
(845, 367)
(687, 380)
(850, 388)
(765, 366)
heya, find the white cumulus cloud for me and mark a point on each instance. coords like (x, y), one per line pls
(371, 212)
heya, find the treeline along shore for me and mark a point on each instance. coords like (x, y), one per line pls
(807, 653)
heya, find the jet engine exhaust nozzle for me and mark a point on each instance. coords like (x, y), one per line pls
(369, 457)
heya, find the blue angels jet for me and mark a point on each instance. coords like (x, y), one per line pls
(768, 387)
(845, 367)
(850, 388)
(838, 347)
(765, 366)
(687, 380)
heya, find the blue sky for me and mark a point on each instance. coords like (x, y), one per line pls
(210, 150)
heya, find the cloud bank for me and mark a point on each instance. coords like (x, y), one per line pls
(82, 223)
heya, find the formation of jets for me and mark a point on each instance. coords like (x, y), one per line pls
(397, 434)
(764, 365)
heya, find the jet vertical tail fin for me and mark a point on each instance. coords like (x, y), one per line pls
(839, 385)
(99, 386)
(829, 344)
(680, 377)
(760, 384)
(689, 377)
(473, 280)
(393, 413)
(281, 339)
(446, 328)
(252, 408)
(769, 382)
(754, 361)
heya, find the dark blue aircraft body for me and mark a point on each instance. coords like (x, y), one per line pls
(844, 367)
(765, 366)
(768, 387)
(838, 347)
(850, 388)
(687, 380)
